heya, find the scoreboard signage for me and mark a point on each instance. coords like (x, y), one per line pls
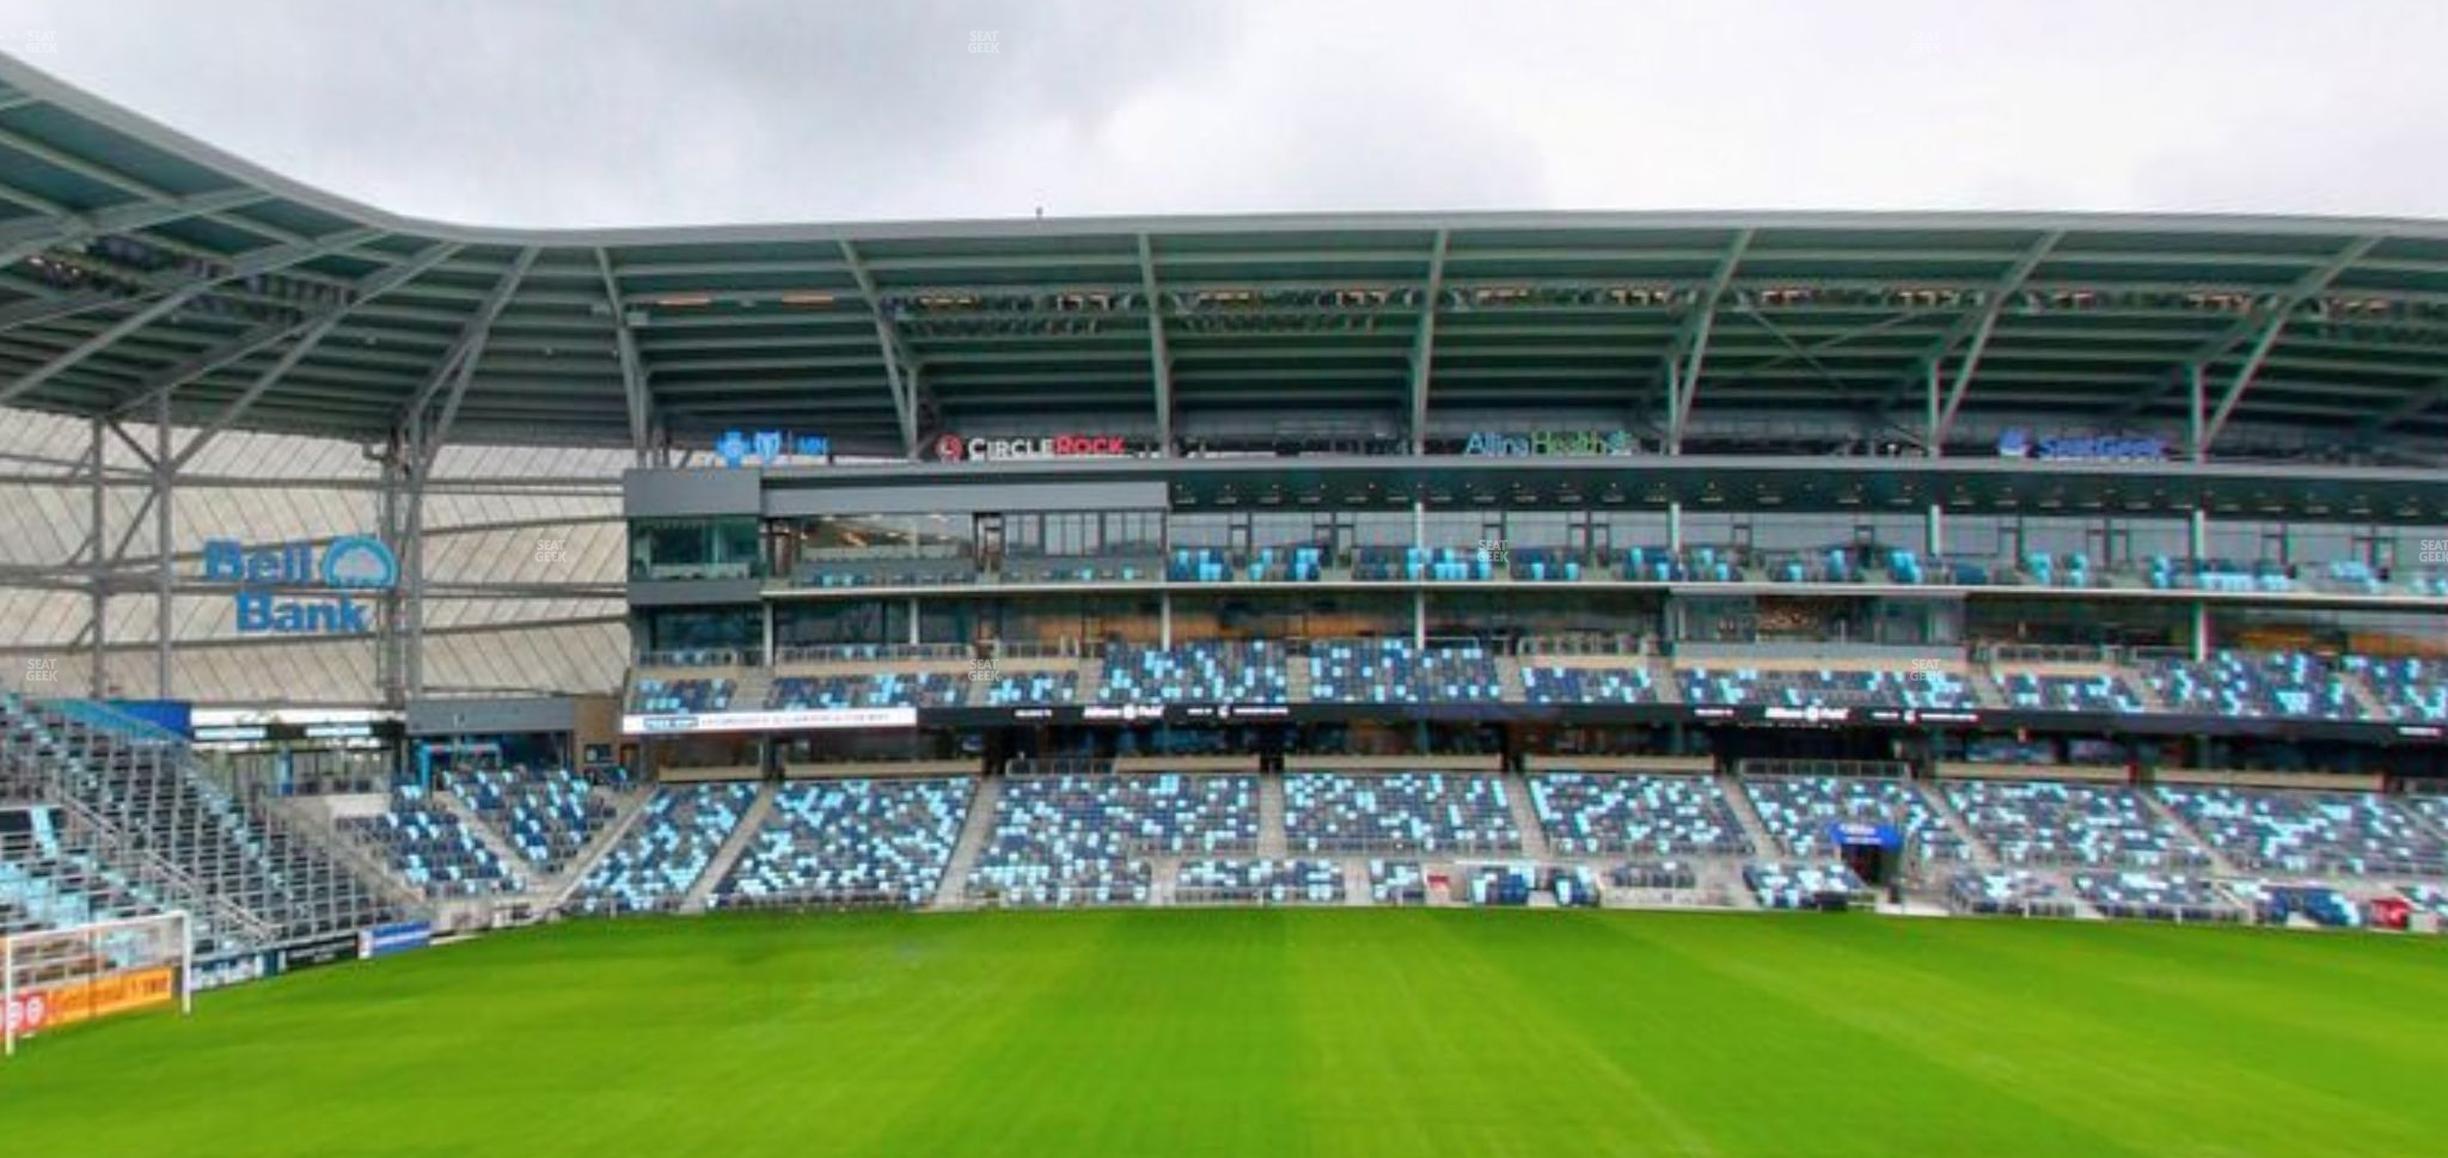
(34, 1010)
(2087, 448)
(401, 937)
(314, 954)
(1549, 444)
(770, 447)
(954, 448)
(777, 721)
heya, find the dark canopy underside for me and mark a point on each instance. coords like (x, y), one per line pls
(135, 262)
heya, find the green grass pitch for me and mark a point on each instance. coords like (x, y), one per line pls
(1177, 1032)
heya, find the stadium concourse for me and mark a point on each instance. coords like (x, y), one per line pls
(364, 579)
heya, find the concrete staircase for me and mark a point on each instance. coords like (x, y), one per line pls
(491, 838)
(1984, 685)
(1091, 678)
(1164, 872)
(749, 695)
(1763, 845)
(1508, 680)
(1296, 679)
(1982, 855)
(349, 850)
(1662, 677)
(1273, 841)
(627, 808)
(2141, 689)
(2374, 708)
(975, 828)
(1525, 817)
(2168, 817)
(1355, 882)
(694, 901)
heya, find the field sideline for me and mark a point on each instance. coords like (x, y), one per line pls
(1285, 1032)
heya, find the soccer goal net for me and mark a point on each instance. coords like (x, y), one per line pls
(54, 978)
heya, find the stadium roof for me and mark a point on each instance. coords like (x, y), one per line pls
(136, 262)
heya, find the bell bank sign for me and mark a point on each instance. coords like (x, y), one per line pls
(276, 583)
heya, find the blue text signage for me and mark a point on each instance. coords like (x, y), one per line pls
(270, 577)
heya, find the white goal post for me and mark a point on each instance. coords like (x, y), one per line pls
(54, 978)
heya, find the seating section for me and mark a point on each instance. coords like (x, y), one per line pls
(1259, 882)
(1434, 564)
(2413, 690)
(2165, 574)
(1910, 568)
(426, 846)
(1692, 565)
(925, 689)
(2341, 833)
(1801, 886)
(2009, 893)
(1016, 689)
(244, 871)
(855, 842)
(1392, 671)
(1413, 812)
(2254, 684)
(1545, 684)
(2044, 822)
(661, 856)
(2279, 904)
(2431, 899)
(1834, 565)
(1397, 882)
(2071, 570)
(1574, 886)
(2430, 808)
(657, 695)
(1662, 876)
(2154, 897)
(1490, 884)
(1797, 811)
(1265, 565)
(50, 879)
(1143, 566)
(1825, 688)
(1597, 815)
(1197, 673)
(1544, 565)
(2067, 693)
(547, 816)
(1082, 839)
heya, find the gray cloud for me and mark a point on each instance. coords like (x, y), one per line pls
(562, 112)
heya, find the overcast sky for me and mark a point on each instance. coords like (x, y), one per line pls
(593, 112)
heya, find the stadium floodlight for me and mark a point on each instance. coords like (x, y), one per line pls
(54, 978)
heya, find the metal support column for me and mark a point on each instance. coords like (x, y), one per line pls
(1933, 436)
(164, 553)
(1674, 526)
(412, 571)
(766, 616)
(1164, 619)
(390, 662)
(98, 597)
(1419, 618)
(913, 628)
(2198, 415)
(1937, 531)
(2199, 536)
(2201, 631)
